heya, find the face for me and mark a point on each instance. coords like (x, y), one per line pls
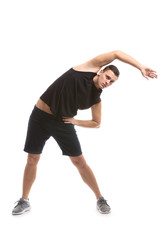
(106, 79)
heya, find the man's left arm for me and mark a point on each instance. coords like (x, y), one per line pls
(106, 58)
(93, 123)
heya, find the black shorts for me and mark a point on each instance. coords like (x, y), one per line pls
(42, 126)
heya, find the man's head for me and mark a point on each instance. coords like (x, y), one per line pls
(113, 68)
(107, 76)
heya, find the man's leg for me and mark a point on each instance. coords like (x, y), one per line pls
(30, 174)
(86, 174)
(23, 205)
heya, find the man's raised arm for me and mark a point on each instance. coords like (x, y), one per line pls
(106, 58)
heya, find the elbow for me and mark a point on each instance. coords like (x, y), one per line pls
(117, 53)
(97, 124)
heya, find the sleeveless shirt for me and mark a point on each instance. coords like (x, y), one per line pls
(71, 91)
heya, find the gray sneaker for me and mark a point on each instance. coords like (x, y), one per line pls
(21, 207)
(102, 206)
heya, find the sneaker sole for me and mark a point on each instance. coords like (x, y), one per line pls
(19, 213)
(103, 212)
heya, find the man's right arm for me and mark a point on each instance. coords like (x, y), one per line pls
(93, 123)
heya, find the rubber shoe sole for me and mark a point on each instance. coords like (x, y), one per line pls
(25, 210)
(103, 212)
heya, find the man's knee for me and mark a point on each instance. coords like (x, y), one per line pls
(33, 159)
(78, 161)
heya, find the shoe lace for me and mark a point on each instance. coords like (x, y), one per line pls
(19, 202)
(103, 201)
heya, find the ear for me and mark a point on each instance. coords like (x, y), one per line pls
(100, 72)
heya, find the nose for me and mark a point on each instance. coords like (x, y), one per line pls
(108, 82)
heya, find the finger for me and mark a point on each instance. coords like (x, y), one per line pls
(152, 75)
(155, 75)
(65, 118)
(66, 121)
(153, 72)
(146, 77)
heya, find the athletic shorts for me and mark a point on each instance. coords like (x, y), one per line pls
(42, 126)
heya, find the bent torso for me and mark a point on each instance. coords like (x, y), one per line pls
(43, 106)
(82, 67)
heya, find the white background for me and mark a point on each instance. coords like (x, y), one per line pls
(39, 41)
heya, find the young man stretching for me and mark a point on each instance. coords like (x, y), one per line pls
(53, 115)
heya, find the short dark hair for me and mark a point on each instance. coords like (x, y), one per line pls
(113, 69)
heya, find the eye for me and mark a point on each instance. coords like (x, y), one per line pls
(107, 77)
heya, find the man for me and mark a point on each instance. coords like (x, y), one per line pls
(78, 88)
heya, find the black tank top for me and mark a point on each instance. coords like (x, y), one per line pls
(72, 91)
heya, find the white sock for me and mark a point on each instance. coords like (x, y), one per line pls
(26, 200)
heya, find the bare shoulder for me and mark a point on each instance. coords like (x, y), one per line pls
(86, 67)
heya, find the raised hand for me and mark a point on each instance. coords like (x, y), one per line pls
(148, 72)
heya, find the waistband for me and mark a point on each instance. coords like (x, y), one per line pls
(46, 114)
